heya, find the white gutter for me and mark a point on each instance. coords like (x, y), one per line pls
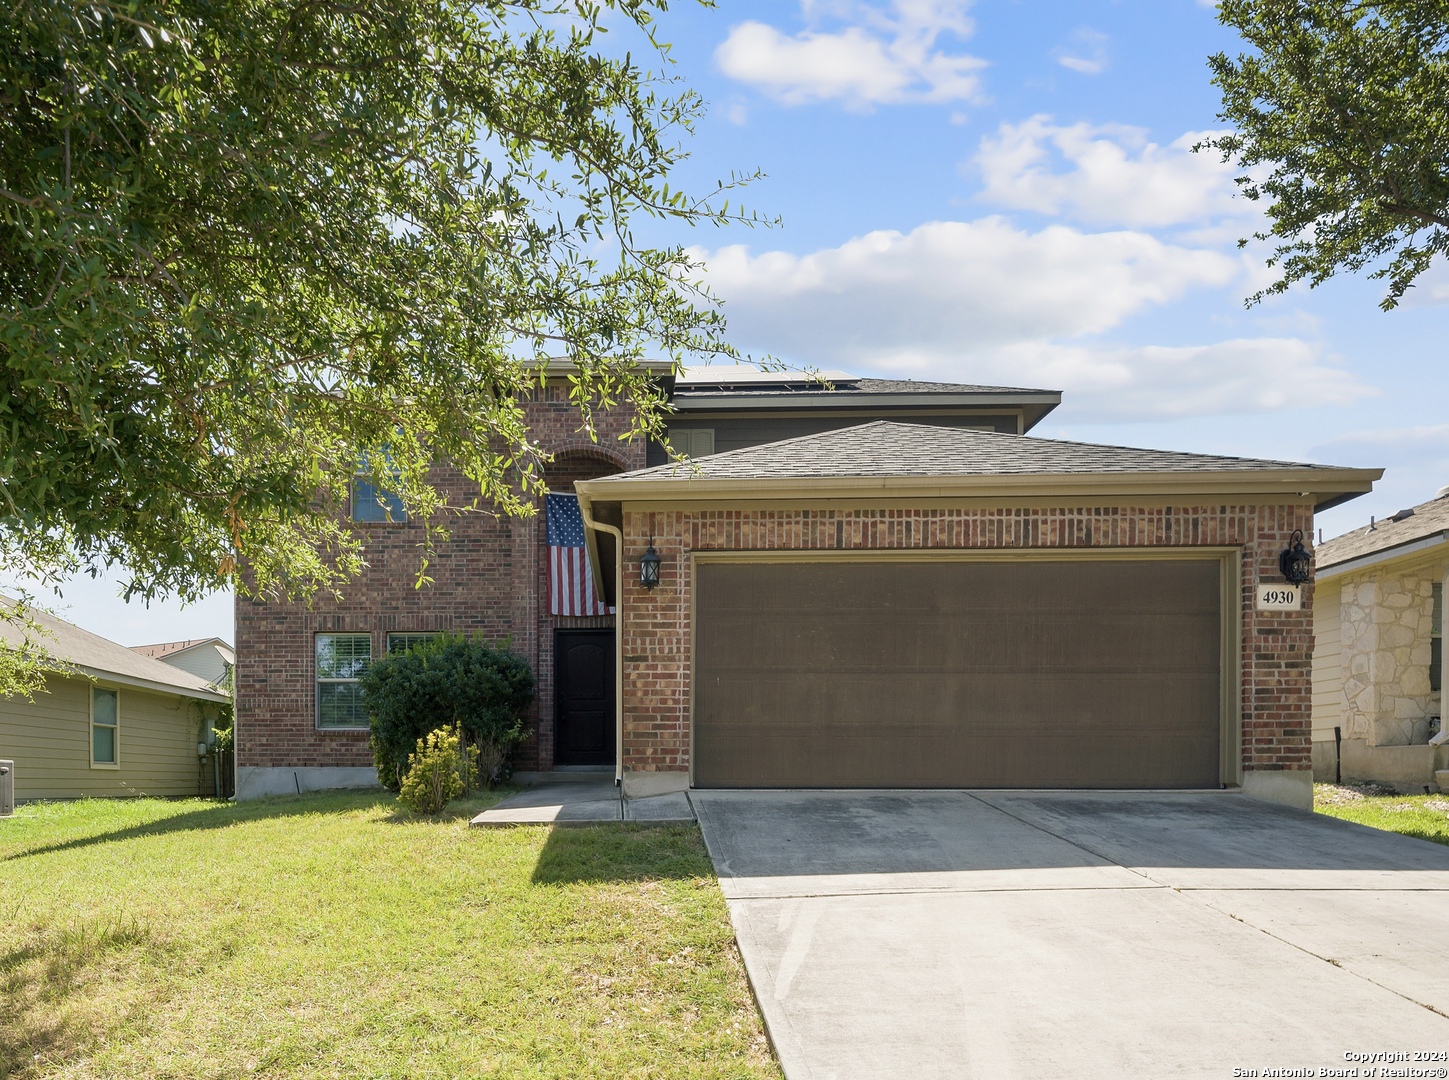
(1384, 555)
(684, 484)
(585, 507)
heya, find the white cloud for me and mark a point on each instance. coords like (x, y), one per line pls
(1405, 441)
(1415, 462)
(985, 301)
(1106, 175)
(986, 282)
(1174, 382)
(880, 56)
(1088, 55)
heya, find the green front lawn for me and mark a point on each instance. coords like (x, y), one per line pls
(331, 936)
(1424, 816)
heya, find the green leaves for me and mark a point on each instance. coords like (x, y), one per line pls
(1342, 126)
(451, 680)
(244, 244)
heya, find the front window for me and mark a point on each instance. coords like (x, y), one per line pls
(341, 660)
(105, 721)
(401, 643)
(372, 503)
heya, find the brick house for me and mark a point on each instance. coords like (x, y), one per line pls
(873, 583)
(297, 727)
(894, 605)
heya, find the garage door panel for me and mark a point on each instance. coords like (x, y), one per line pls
(1073, 641)
(1008, 763)
(958, 674)
(1049, 706)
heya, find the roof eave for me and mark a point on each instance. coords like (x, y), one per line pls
(1381, 555)
(144, 684)
(1324, 487)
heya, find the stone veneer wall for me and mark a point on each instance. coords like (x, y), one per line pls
(488, 578)
(1385, 649)
(1276, 651)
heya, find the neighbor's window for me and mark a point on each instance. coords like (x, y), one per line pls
(105, 716)
(1436, 641)
(692, 442)
(341, 659)
(401, 643)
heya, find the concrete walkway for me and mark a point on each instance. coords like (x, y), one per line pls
(1082, 935)
(588, 802)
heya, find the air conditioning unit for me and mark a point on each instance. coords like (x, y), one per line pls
(7, 788)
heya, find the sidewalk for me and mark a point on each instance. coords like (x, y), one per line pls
(590, 803)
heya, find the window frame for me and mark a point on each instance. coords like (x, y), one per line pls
(318, 680)
(1436, 640)
(115, 693)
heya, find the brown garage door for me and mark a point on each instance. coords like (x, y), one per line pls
(1035, 673)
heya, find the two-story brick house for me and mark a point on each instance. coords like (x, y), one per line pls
(873, 583)
(300, 725)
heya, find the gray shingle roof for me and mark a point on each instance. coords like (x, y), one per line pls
(1427, 519)
(95, 655)
(887, 449)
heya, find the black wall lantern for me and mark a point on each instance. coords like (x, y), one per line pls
(1295, 560)
(649, 567)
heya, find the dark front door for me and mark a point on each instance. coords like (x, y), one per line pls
(583, 697)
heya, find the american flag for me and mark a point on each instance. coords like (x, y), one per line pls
(570, 582)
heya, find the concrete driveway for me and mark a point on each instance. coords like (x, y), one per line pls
(1079, 935)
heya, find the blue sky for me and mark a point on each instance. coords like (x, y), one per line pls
(1001, 192)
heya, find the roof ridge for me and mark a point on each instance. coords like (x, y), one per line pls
(855, 430)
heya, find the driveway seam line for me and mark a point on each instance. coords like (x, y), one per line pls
(950, 892)
(1219, 911)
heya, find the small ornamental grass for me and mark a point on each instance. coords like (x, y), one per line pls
(435, 775)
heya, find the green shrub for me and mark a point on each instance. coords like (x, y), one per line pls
(452, 682)
(433, 778)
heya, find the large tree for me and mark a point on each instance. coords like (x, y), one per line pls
(246, 245)
(1341, 124)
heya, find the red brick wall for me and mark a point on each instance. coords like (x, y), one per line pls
(489, 578)
(1276, 652)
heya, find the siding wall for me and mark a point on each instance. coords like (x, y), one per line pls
(205, 663)
(1327, 661)
(736, 433)
(49, 739)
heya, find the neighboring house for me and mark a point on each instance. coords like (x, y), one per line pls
(1378, 663)
(300, 722)
(110, 722)
(207, 658)
(895, 605)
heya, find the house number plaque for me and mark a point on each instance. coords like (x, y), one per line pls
(1280, 597)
